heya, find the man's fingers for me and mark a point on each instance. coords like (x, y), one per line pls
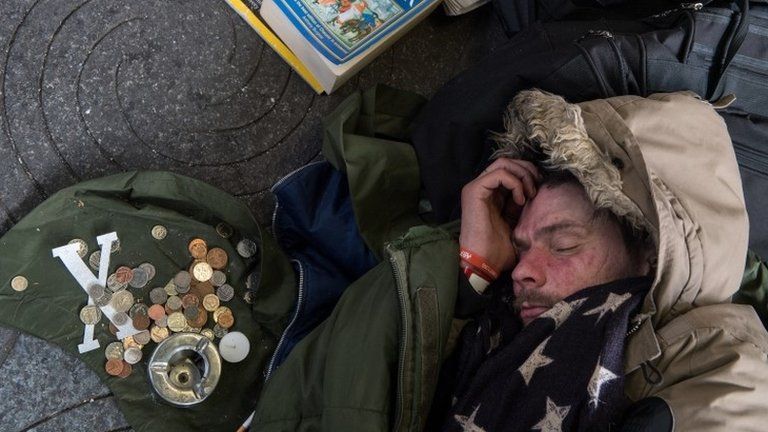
(524, 170)
(491, 182)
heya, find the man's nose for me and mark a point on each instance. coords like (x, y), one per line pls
(529, 271)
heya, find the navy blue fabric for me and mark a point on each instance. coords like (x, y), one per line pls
(314, 224)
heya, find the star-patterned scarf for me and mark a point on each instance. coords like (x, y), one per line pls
(563, 372)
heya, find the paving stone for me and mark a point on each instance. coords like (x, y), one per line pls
(43, 382)
(92, 88)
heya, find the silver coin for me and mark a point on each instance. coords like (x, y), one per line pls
(90, 315)
(170, 288)
(182, 290)
(138, 309)
(120, 319)
(94, 260)
(95, 291)
(103, 300)
(191, 313)
(162, 322)
(142, 338)
(114, 285)
(114, 351)
(132, 355)
(219, 331)
(158, 296)
(122, 301)
(139, 279)
(173, 303)
(159, 232)
(224, 230)
(82, 247)
(149, 268)
(218, 278)
(182, 279)
(247, 248)
(115, 246)
(19, 283)
(225, 293)
(202, 271)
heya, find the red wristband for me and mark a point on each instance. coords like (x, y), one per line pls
(479, 263)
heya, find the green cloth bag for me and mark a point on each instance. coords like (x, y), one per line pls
(131, 204)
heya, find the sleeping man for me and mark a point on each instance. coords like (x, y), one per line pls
(591, 277)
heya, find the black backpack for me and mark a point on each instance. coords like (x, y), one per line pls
(714, 51)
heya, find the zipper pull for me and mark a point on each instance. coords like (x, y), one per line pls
(596, 33)
(692, 6)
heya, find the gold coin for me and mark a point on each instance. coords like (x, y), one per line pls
(217, 258)
(211, 302)
(202, 271)
(177, 322)
(130, 342)
(170, 288)
(90, 315)
(19, 283)
(198, 248)
(208, 333)
(158, 334)
(122, 301)
(217, 313)
(159, 232)
(226, 320)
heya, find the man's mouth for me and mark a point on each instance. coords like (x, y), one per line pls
(529, 312)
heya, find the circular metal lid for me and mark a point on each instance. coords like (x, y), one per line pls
(185, 368)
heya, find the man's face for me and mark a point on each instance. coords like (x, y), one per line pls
(564, 249)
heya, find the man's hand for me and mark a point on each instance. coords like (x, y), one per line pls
(490, 207)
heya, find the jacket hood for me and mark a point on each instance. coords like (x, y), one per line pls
(666, 165)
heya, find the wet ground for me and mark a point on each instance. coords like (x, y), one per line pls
(90, 88)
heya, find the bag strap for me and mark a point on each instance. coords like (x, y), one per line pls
(734, 37)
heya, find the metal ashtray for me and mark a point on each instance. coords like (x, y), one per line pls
(185, 368)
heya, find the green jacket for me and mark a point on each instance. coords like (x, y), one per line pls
(384, 341)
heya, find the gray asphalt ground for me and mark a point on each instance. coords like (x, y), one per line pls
(96, 87)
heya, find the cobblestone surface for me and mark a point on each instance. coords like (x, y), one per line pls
(90, 88)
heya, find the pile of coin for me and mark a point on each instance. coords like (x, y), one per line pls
(183, 304)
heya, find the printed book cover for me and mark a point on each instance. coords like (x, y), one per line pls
(341, 29)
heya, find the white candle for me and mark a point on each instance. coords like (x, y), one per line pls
(234, 347)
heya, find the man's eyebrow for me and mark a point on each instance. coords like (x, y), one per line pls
(560, 226)
(549, 230)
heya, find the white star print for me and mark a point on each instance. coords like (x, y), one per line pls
(536, 360)
(600, 376)
(553, 419)
(468, 423)
(611, 304)
(562, 310)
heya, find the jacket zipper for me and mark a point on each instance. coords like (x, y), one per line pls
(299, 302)
(396, 261)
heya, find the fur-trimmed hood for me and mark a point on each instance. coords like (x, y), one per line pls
(665, 164)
